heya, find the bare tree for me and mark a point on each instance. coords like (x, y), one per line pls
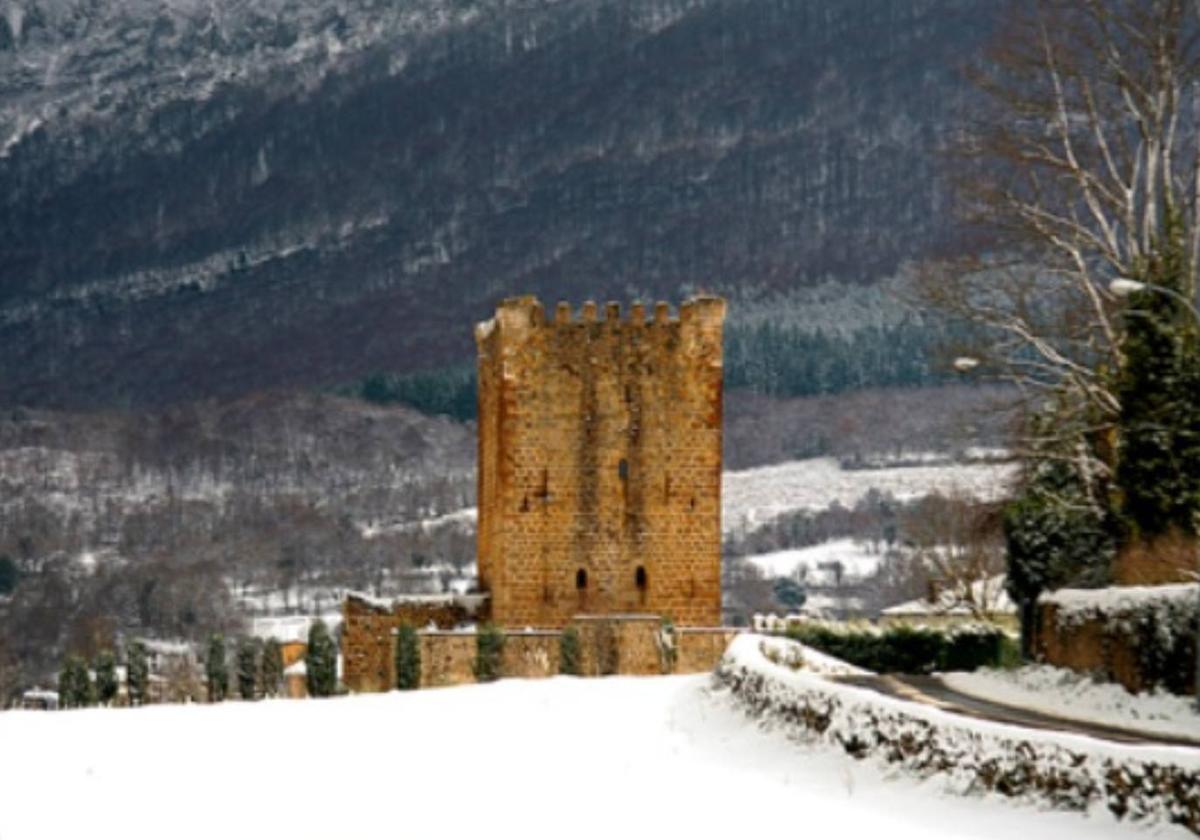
(959, 545)
(1083, 144)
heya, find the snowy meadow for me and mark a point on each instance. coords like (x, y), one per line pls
(669, 756)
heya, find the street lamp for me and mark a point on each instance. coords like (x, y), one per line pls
(1123, 287)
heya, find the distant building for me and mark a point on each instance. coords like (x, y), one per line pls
(946, 606)
(40, 698)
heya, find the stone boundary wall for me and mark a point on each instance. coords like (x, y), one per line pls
(368, 625)
(970, 757)
(1088, 647)
(1110, 632)
(446, 658)
(699, 649)
(630, 645)
(621, 645)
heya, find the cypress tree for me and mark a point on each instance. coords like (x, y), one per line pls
(216, 669)
(489, 648)
(106, 677)
(137, 673)
(74, 684)
(247, 668)
(272, 668)
(1158, 466)
(568, 653)
(408, 658)
(320, 661)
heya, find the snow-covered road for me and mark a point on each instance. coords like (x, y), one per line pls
(617, 757)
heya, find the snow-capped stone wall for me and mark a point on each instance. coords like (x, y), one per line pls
(1155, 784)
(1139, 636)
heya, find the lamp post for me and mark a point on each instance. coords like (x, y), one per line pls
(1123, 287)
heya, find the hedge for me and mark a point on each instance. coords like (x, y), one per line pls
(909, 650)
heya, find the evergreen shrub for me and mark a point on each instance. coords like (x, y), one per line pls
(489, 649)
(569, 658)
(137, 673)
(320, 661)
(106, 677)
(408, 658)
(908, 650)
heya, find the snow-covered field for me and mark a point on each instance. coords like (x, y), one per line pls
(616, 757)
(1057, 691)
(751, 497)
(857, 560)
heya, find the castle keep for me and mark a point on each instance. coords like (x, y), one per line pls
(600, 462)
(599, 501)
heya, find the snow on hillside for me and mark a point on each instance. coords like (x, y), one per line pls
(751, 497)
(856, 559)
(463, 517)
(596, 758)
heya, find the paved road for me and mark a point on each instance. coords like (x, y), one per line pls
(933, 692)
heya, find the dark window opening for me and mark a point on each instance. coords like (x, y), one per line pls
(623, 469)
(581, 579)
(692, 503)
(639, 578)
(525, 504)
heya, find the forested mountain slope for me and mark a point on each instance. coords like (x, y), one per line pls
(209, 198)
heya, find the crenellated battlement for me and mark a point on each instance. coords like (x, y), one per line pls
(519, 314)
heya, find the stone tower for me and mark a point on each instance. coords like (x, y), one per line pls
(600, 462)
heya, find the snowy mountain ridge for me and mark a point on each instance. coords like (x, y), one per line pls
(191, 189)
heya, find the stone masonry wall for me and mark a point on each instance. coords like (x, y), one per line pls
(1087, 647)
(368, 626)
(607, 645)
(620, 645)
(600, 463)
(699, 649)
(446, 659)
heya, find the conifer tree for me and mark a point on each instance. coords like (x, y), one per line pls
(66, 685)
(247, 668)
(1158, 466)
(216, 669)
(320, 661)
(568, 653)
(137, 673)
(408, 658)
(272, 668)
(75, 684)
(489, 648)
(106, 677)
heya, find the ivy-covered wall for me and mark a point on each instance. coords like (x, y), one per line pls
(1140, 636)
